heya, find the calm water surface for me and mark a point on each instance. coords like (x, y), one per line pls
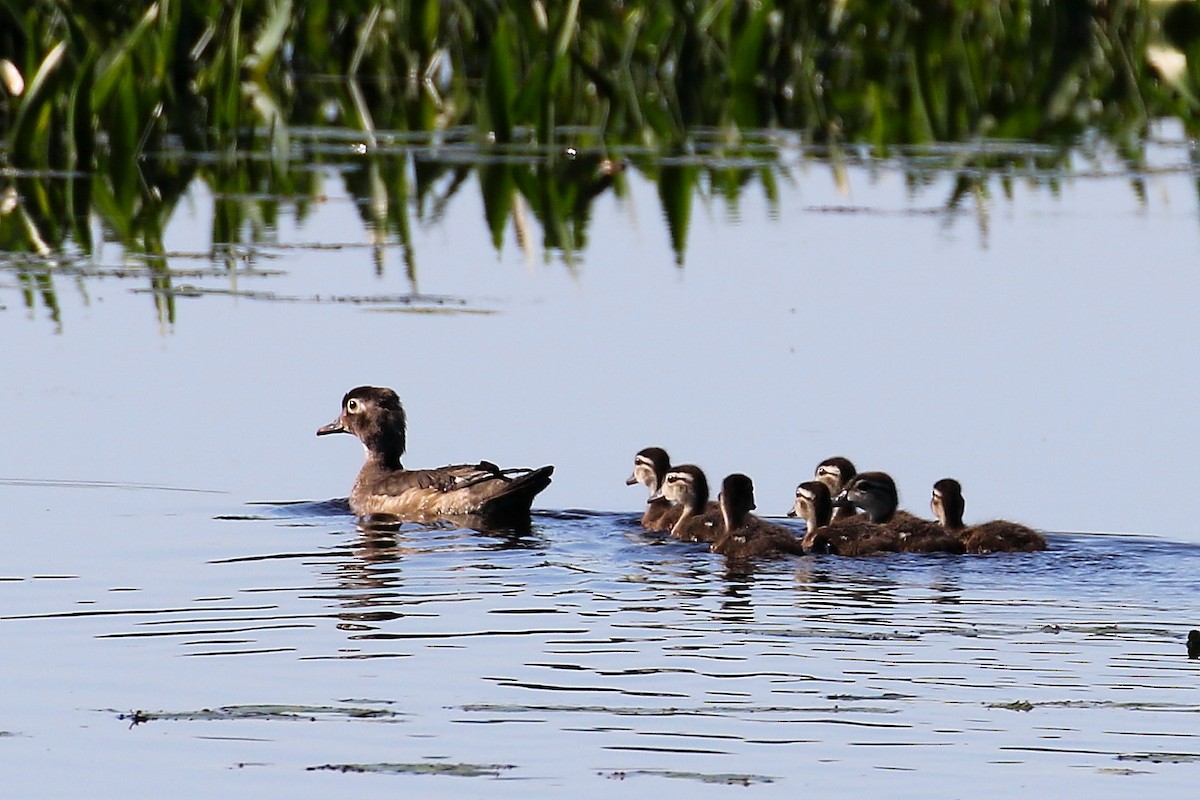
(285, 649)
(181, 607)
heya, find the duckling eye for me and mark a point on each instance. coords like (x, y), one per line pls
(353, 406)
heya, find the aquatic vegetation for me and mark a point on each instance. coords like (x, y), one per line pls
(262, 712)
(112, 113)
(728, 779)
(421, 768)
(115, 85)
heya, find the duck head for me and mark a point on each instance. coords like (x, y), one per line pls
(873, 492)
(736, 500)
(835, 473)
(947, 503)
(375, 416)
(686, 486)
(650, 468)
(813, 504)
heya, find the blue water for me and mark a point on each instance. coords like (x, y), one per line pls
(171, 623)
(279, 646)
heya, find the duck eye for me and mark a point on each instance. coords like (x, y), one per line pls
(352, 406)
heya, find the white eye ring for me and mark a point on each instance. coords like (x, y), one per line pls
(352, 406)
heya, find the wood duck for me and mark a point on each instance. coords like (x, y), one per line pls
(700, 519)
(997, 536)
(384, 488)
(650, 468)
(875, 493)
(745, 535)
(855, 536)
(835, 472)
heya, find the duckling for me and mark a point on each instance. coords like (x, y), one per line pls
(835, 472)
(855, 536)
(745, 535)
(875, 493)
(385, 488)
(700, 519)
(650, 468)
(997, 536)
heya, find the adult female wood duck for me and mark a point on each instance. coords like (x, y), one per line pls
(650, 467)
(700, 519)
(855, 536)
(875, 493)
(997, 536)
(385, 488)
(745, 535)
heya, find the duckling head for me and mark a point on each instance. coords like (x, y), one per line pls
(873, 492)
(813, 504)
(835, 473)
(736, 500)
(686, 486)
(650, 468)
(947, 503)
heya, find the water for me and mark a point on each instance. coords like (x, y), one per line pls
(180, 606)
(286, 649)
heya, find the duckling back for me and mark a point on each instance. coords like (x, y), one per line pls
(997, 536)
(744, 535)
(1002, 536)
(852, 537)
(916, 535)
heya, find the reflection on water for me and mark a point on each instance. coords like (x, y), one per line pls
(271, 640)
(589, 651)
(545, 193)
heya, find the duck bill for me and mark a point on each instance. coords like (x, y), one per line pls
(632, 480)
(841, 501)
(334, 427)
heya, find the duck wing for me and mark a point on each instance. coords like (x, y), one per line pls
(483, 489)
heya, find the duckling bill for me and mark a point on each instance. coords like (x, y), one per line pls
(385, 488)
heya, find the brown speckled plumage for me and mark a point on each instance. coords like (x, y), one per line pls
(385, 488)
